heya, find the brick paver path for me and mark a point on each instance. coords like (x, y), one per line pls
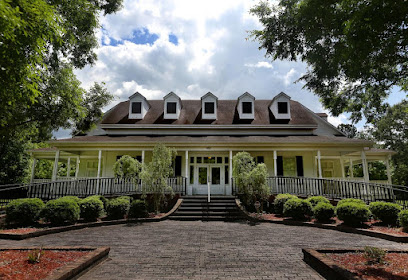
(204, 250)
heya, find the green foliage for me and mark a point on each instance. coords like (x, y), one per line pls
(91, 208)
(352, 213)
(34, 256)
(353, 200)
(374, 255)
(348, 129)
(60, 211)
(403, 219)
(355, 57)
(314, 200)
(138, 209)
(323, 211)
(297, 208)
(14, 161)
(155, 175)
(117, 208)
(250, 178)
(127, 167)
(24, 211)
(280, 200)
(73, 198)
(385, 211)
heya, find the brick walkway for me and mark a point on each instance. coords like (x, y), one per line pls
(204, 250)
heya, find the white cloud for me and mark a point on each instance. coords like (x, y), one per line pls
(260, 64)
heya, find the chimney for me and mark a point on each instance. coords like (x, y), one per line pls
(322, 115)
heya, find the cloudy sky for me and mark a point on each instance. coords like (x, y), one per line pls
(190, 48)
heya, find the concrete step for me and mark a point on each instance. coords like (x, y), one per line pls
(211, 213)
(193, 218)
(215, 209)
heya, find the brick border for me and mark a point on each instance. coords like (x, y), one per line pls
(366, 232)
(329, 269)
(73, 269)
(16, 236)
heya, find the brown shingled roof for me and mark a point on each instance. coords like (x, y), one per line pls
(191, 114)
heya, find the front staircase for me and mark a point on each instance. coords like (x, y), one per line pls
(221, 208)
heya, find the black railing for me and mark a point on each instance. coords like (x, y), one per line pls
(336, 189)
(83, 188)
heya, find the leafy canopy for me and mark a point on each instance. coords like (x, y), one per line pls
(127, 167)
(356, 50)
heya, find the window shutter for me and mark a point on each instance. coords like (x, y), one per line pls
(177, 166)
(299, 165)
(279, 162)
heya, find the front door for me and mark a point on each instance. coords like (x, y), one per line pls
(209, 174)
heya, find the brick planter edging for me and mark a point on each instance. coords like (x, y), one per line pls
(72, 269)
(328, 268)
(15, 236)
(366, 232)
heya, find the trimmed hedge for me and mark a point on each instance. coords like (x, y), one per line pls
(353, 200)
(353, 213)
(138, 209)
(60, 211)
(280, 200)
(403, 219)
(297, 208)
(74, 198)
(91, 208)
(117, 208)
(385, 211)
(24, 211)
(323, 211)
(314, 200)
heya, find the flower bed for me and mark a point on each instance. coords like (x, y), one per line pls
(352, 264)
(54, 263)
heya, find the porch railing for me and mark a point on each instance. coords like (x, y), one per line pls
(337, 189)
(82, 188)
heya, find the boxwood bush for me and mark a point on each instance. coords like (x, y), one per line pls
(403, 219)
(314, 200)
(385, 211)
(280, 200)
(117, 208)
(297, 208)
(323, 211)
(60, 211)
(353, 213)
(353, 200)
(24, 211)
(91, 208)
(138, 209)
(73, 198)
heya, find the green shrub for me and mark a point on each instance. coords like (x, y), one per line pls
(24, 211)
(128, 198)
(138, 209)
(403, 219)
(353, 213)
(104, 201)
(60, 211)
(117, 208)
(323, 211)
(280, 200)
(374, 255)
(314, 200)
(74, 198)
(385, 211)
(91, 208)
(297, 208)
(353, 200)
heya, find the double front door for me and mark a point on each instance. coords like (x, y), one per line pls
(209, 175)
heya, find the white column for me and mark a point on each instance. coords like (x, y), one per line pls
(351, 168)
(387, 163)
(33, 170)
(55, 169)
(230, 173)
(342, 167)
(99, 163)
(186, 173)
(77, 167)
(319, 164)
(143, 156)
(365, 167)
(69, 167)
(275, 163)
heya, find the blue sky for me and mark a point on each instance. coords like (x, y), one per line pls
(190, 48)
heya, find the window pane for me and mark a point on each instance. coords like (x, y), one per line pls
(202, 175)
(247, 107)
(191, 174)
(226, 160)
(171, 107)
(219, 159)
(282, 107)
(191, 159)
(206, 160)
(226, 174)
(136, 107)
(260, 159)
(289, 167)
(209, 107)
(198, 159)
(216, 175)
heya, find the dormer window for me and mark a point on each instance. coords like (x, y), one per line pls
(246, 106)
(172, 106)
(282, 107)
(209, 104)
(138, 106)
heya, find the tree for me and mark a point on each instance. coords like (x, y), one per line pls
(127, 167)
(250, 178)
(348, 129)
(356, 50)
(155, 175)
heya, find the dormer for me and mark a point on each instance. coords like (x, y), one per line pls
(138, 106)
(209, 105)
(246, 107)
(280, 106)
(172, 106)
